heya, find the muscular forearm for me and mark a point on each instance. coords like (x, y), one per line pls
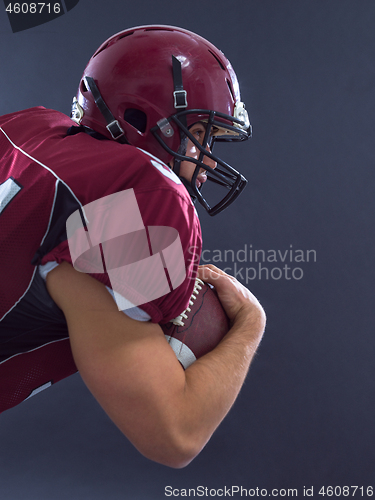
(171, 417)
(214, 381)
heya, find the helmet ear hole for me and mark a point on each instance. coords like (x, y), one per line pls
(136, 118)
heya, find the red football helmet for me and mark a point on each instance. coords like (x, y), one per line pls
(147, 85)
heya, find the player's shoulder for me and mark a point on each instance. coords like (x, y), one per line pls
(160, 191)
(15, 115)
(159, 172)
(150, 177)
(30, 128)
(35, 115)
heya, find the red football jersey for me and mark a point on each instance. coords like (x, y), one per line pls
(46, 175)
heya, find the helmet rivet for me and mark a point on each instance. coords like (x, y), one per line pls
(165, 127)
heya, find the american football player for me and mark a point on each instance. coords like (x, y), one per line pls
(151, 104)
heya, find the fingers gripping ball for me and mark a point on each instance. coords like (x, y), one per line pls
(199, 328)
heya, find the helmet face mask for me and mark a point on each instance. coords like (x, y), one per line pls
(155, 83)
(216, 131)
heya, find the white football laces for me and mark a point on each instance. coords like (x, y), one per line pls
(179, 321)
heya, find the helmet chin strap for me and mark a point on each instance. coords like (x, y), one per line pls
(113, 126)
(180, 102)
(177, 166)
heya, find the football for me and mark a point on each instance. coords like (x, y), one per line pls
(199, 328)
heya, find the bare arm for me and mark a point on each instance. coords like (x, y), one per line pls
(167, 413)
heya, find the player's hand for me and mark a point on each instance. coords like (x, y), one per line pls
(238, 302)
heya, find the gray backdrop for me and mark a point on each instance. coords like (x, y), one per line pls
(305, 417)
